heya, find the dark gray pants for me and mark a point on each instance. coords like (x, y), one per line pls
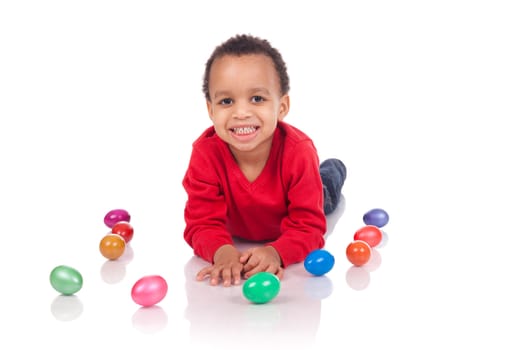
(333, 176)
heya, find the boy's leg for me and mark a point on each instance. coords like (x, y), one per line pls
(333, 176)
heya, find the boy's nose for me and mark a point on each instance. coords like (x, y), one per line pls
(242, 110)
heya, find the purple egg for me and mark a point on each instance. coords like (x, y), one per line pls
(116, 215)
(377, 217)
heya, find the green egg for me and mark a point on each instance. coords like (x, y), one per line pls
(261, 287)
(66, 280)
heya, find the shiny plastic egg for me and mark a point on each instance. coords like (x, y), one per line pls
(377, 217)
(66, 280)
(112, 246)
(261, 287)
(116, 215)
(123, 229)
(370, 234)
(149, 290)
(319, 262)
(358, 252)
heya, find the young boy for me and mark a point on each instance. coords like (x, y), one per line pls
(251, 175)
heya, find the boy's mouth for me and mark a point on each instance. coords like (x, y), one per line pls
(245, 130)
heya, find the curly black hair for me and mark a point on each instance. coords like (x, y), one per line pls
(245, 44)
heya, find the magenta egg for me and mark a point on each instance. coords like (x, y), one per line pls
(116, 215)
(149, 290)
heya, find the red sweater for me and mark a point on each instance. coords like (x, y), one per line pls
(283, 207)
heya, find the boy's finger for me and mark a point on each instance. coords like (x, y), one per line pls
(203, 273)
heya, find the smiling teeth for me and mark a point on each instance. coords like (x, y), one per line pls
(245, 130)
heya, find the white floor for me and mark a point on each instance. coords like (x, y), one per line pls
(99, 104)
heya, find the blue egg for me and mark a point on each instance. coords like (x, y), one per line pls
(377, 217)
(319, 262)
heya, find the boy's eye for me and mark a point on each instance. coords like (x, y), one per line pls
(226, 101)
(257, 99)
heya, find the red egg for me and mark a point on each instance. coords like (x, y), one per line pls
(149, 290)
(370, 234)
(123, 229)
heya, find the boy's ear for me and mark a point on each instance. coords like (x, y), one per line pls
(284, 106)
(209, 107)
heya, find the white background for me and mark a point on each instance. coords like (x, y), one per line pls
(423, 100)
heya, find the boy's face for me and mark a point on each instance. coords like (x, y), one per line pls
(246, 102)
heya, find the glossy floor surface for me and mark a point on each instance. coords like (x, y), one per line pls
(99, 104)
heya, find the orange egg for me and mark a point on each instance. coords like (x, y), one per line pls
(358, 252)
(112, 246)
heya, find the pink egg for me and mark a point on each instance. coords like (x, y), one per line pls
(116, 215)
(149, 290)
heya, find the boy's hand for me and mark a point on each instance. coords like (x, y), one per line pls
(226, 267)
(261, 259)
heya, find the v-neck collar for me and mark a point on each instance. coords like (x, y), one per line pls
(267, 171)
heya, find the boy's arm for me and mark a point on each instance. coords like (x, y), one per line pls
(304, 228)
(205, 209)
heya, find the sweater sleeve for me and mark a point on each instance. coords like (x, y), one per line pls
(302, 230)
(205, 210)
